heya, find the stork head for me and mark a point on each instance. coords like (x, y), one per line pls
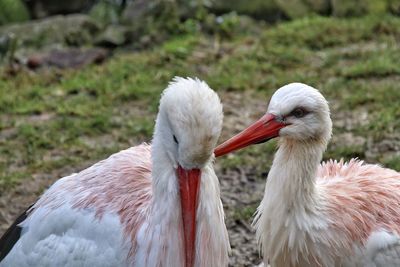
(188, 127)
(189, 122)
(296, 112)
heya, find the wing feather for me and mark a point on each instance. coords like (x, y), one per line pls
(12, 235)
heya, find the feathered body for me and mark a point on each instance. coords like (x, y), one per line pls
(334, 214)
(125, 210)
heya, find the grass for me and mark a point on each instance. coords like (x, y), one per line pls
(245, 213)
(53, 118)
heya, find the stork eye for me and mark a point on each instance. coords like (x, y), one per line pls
(176, 140)
(298, 113)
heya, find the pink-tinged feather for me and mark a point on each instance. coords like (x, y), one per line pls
(120, 184)
(123, 185)
(362, 198)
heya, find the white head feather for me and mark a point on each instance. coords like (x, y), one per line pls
(305, 110)
(189, 122)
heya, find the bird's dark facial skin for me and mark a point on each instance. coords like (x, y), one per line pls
(298, 112)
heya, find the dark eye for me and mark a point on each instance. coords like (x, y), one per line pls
(176, 140)
(298, 113)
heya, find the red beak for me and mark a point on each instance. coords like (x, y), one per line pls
(267, 127)
(189, 182)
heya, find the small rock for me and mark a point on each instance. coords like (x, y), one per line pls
(350, 120)
(388, 145)
(113, 36)
(319, 6)
(294, 8)
(34, 61)
(135, 11)
(267, 9)
(45, 8)
(383, 149)
(65, 30)
(105, 12)
(68, 58)
(156, 18)
(349, 139)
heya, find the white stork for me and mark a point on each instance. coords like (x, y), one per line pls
(149, 205)
(334, 214)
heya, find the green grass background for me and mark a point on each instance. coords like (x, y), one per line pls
(55, 118)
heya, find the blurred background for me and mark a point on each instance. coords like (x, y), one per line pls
(81, 79)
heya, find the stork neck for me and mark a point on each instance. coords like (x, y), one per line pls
(162, 172)
(162, 165)
(293, 173)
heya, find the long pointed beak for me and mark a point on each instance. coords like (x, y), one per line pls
(189, 182)
(267, 127)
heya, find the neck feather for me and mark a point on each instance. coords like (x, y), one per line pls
(292, 175)
(163, 165)
(291, 201)
(212, 243)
